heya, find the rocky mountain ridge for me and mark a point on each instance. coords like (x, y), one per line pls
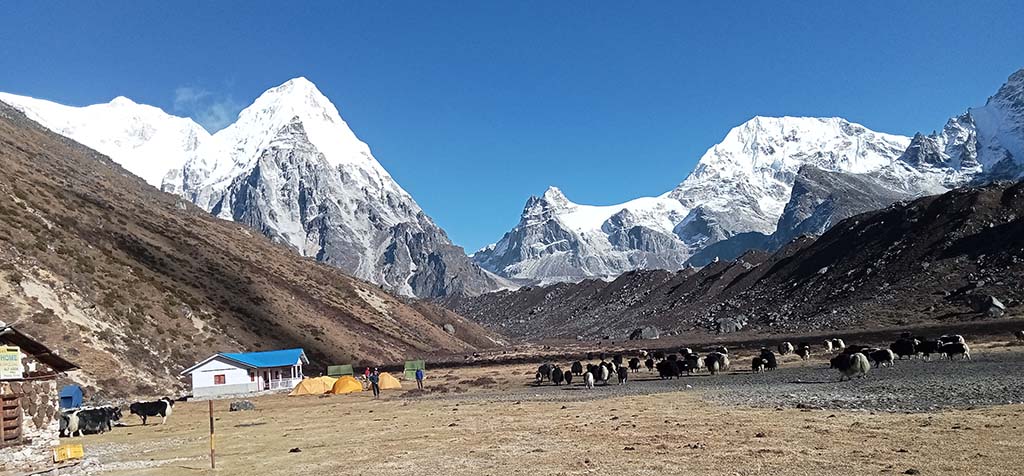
(290, 167)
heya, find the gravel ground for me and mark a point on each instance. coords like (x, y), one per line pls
(993, 377)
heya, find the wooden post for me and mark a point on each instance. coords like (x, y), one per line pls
(213, 464)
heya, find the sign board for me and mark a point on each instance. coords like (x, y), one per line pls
(10, 362)
(411, 366)
(340, 370)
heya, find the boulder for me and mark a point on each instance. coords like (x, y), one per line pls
(989, 305)
(241, 405)
(449, 328)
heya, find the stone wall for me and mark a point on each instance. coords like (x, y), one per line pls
(40, 426)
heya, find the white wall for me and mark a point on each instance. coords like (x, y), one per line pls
(202, 376)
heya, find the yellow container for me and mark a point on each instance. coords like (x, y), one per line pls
(65, 452)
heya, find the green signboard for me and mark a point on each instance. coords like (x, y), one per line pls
(411, 366)
(339, 370)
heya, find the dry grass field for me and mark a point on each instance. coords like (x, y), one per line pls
(491, 422)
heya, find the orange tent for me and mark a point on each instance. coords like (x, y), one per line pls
(387, 382)
(313, 386)
(346, 384)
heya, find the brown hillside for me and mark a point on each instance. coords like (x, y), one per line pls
(134, 285)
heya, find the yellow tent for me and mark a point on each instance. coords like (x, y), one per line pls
(313, 386)
(387, 382)
(346, 384)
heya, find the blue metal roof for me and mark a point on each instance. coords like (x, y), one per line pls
(270, 358)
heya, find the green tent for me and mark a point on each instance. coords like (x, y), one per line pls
(339, 370)
(411, 366)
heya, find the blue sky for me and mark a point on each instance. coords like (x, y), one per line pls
(474, 106)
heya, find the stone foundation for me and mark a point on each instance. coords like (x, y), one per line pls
(40, 428)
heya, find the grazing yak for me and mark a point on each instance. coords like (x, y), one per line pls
(634, 364)
(757, 365)
(89, 420)
(722, 350)
(1019, 335)
(768, 357)
(568, 377)
(694, 363)
(786, 348)
(667, 369)
(905, 347)
(838, 345)
(882, 357)
(928, 347)
(623, 375)
(804, 351)
(588, 380)
(682, 367)
(956, 348)
(144, 410)
(557, 376)
(649, 363)
(544, 372)
(828, 345)
(716, 362)
(605, 371)
(576, 368)
(850, 365)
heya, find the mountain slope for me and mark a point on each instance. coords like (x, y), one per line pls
(934, 258)
(134, 284)
(290, 167)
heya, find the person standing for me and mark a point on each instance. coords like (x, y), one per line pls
(375, 383)
(366, 374)
(419, 379)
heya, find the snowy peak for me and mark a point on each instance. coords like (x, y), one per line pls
(984, 143)
(743, 183)
(122, 101)
(556, 199)
(298, 99)
(786, 143)
(144, 139)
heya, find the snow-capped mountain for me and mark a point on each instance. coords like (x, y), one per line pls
(742, 184)
(290, 167)
(143, 139)
(558, 240)
(984, 143)
(739, 188)
(769, 181)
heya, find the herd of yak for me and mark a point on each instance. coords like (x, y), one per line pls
(101, 419)
(851, 361)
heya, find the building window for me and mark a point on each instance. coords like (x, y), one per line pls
(219, 379)
(252, 376)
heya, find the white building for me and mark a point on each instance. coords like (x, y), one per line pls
(252, 372)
